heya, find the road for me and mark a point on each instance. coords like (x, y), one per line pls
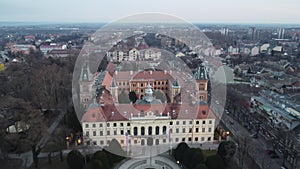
(257, 147)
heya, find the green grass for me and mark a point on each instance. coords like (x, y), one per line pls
(207, 153)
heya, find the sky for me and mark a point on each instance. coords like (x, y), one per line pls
(209, 11)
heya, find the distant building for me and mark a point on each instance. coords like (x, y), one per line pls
(255, 51)
(29, 38)
(52, 46)
(278, 110)
(22, 48)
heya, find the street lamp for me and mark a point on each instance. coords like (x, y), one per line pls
(78, 141)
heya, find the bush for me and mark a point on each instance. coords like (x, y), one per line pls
(75, 160)
(102, 157)
(180, 150)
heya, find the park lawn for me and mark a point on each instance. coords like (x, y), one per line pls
(56, 164)
(208, 153)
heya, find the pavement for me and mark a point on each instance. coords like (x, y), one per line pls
(156, 162)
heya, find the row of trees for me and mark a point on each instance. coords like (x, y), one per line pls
(104, 159)
(193, 158)
(29, 88)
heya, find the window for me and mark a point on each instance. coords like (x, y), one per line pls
(115, 124)
(94, 125)
(150, 131)
(202, 138)
(94, 143)
(86, 125)
(196, 138)
(157, 130)
(171, 123)
(108, 133)
(183, 139)
(177, 130)
(190, 130)
(128, 132)
(135, 141)
(203, 122)
(209, 129)
(108, 125)
(197, 122)
(191, 122)
(176, 139)
(203, 130)
(164, 140)
(142, 131)
(135, 131)
(108, 141)
(183, 130)
(101, 133)
(164, 129)
(210, 122)
(94, 133)
(128, 124)
(190, 139)
(183, 122)
(209, 139)
(101, 142)
(177, 122)
(115, 132)
(87, 133)
(122, 132)
(121, 124)
(100, 125)
(197, 130)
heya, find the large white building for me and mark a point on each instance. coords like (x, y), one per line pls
(148, 121)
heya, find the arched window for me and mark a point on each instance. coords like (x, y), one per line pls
(164, 130)
(135, 131)
(142, 131)
(157, 141)
(157, 130)
(150, 131)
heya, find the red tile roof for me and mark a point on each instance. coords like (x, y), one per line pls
(123, 112)
(94, 114)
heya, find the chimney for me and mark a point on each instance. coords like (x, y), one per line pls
(150, 72)
(116, 72)
(165, 71)
(131, 72)
(112, 113)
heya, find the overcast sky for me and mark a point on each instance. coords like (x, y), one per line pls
(210, 11)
